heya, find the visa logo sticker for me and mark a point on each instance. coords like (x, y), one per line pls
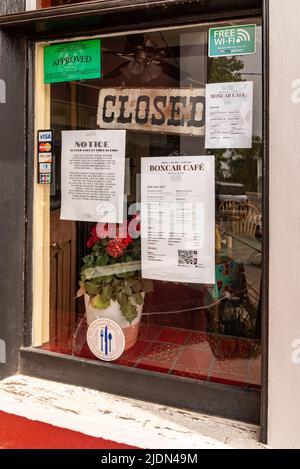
(45, 136)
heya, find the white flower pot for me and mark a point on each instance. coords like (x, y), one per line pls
(114, 313)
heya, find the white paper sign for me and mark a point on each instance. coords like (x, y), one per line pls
(93, 173)
(229, 115)
(178, 219)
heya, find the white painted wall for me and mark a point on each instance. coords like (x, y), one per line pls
(284, 371)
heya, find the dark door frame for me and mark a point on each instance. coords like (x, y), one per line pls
(226, 401)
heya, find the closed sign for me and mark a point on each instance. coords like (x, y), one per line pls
(167, 110)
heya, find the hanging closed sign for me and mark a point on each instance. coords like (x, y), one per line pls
(167, 110)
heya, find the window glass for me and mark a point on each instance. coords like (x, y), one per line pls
(199, 331)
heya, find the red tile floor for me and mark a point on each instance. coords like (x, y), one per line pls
(189, 354)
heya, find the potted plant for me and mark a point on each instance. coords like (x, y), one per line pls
(111, 279)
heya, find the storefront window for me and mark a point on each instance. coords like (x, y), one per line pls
(153, 86)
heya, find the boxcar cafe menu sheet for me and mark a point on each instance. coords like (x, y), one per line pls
(93, 175)
(229, 115)
(178, 219)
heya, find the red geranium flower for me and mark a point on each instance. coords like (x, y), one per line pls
(93, 239)
(115, 247)
(118, 237)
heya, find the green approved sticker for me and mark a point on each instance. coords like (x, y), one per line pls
(72, 61)
(234, 40)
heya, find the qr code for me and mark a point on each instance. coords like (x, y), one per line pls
(187, 257)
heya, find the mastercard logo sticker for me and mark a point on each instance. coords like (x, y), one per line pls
(45, 147)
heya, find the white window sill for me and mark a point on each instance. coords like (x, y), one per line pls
(119, 419)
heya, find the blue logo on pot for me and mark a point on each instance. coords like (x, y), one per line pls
(106, 339)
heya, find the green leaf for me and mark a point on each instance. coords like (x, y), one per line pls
(97, 280)
(129, 311)
(132, 281)
(91, 288)
(124, 275)
(119, 297)
(139, 299)
(102, 260)
(147, 286)
(99, 302)
(88, 261)
(131, 274)
(106, 292)
(136, 251)
(126, 289)
(97, 250)
(137, 286)
(107, 279)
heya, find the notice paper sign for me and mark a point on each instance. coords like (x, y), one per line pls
(229, 115)
(72, 61)
(93, 174)
(178, 219)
